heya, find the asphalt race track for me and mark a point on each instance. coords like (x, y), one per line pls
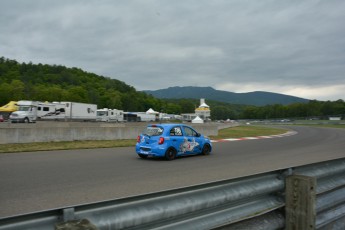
(35, 181)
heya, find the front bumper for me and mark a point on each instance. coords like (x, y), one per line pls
(17, 120)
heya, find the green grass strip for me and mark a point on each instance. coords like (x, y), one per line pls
(247, 131)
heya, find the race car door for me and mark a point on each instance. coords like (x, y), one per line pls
(177, 139)
(192, 142)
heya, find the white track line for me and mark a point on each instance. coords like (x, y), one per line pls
(289, 133)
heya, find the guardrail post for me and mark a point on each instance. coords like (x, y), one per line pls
(300, 202)
(70, 223)
(68, 214)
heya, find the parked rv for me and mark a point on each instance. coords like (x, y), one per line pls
(109, 115)
(31, 111)
(50, 111)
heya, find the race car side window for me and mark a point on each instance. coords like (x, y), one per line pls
(176, 131)
(190, 132)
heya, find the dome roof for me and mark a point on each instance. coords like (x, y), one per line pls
(203, 105)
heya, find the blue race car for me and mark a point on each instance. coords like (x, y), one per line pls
(170, 141)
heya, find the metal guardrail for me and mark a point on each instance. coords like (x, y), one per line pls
(329, 193)
(256, 202)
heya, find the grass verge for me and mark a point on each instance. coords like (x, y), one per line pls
(234, 132)
(247, 131)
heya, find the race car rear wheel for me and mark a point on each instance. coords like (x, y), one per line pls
(170, 154)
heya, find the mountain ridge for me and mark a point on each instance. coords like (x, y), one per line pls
(256, 98)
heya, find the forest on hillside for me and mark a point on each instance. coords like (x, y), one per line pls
(41, 82)
(27, 81)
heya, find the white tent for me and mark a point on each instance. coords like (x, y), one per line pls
(197, 120)
(151, 111)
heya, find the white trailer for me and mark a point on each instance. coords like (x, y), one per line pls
(67, 111)
(109, 115)
(80, 111)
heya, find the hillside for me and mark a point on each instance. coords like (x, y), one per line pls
(41, 82)
(257, 98)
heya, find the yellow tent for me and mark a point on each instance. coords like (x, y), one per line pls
(9, 107)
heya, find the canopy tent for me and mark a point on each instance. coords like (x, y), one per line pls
(151, 111)
(197, 120)
(9, 107)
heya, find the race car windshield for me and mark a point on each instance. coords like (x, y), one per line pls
(153, 131)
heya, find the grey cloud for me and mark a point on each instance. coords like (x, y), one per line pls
(159, 43)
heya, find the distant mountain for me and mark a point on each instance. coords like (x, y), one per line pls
(257, 98)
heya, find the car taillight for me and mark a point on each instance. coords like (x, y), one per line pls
(138, 139)
(161, 140)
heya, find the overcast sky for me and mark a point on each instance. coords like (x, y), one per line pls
(294, 47)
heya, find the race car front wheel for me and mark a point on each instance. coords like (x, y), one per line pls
(206, 149)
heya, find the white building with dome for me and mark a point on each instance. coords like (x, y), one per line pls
(203, 112)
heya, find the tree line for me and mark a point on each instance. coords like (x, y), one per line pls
(41, 82)
(312, 110)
